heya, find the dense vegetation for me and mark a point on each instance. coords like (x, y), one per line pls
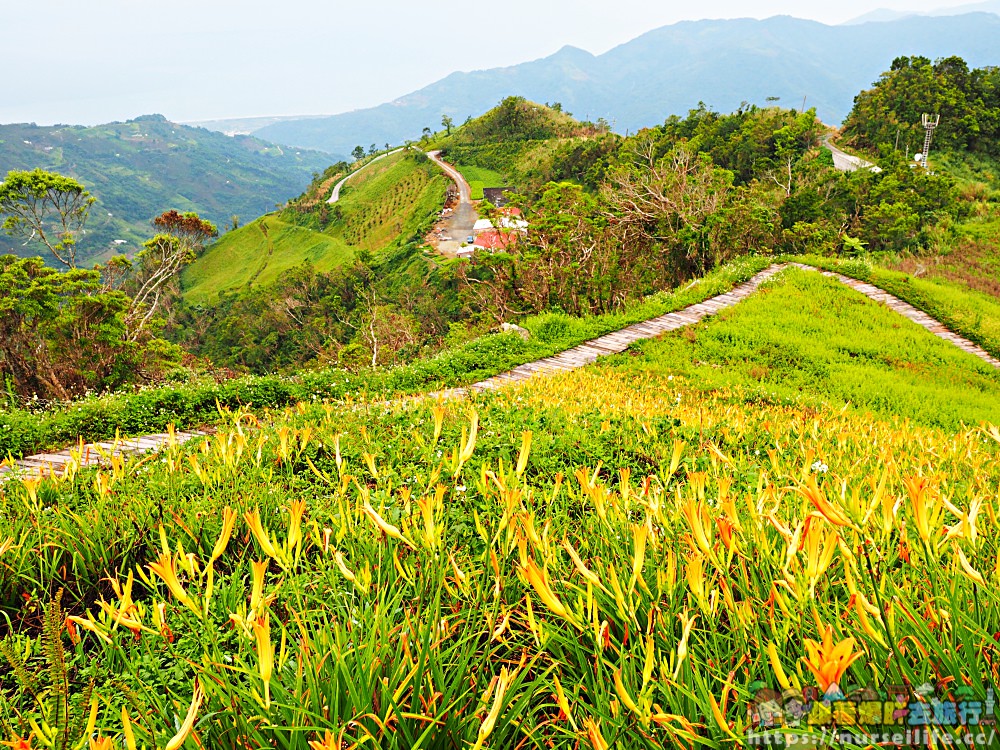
(619, 556)
(139, 168)
(676, 547)
(192, 399)
(887, 118)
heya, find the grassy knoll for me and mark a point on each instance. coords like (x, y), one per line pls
(807, 339)
(386, 204)
(616, 557)
(257, 254)
(479, 178)
(971, 313)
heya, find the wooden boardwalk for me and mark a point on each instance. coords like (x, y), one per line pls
(571, 359)
(93, 454)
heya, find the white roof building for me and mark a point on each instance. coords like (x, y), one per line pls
(485, 225)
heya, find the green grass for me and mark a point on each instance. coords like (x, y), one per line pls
(805, 338)
(479, 178)
(970, 313)
(256, 255)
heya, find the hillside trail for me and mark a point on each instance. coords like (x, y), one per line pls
(335, 195)
(461, 223)
(571, 359)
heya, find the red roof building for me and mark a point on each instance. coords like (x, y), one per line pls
(494, 240)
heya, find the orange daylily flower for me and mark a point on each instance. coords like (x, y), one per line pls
(828, 510)
(329, 742)
(696, 515)
(19, 743)
(828, 661)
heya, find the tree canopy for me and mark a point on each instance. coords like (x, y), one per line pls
(46, 207)
(888, 115)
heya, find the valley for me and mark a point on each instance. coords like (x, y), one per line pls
(143, 167)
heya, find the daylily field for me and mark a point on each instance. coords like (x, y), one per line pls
(619, 557)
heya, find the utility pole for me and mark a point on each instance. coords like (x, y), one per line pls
(930, 122)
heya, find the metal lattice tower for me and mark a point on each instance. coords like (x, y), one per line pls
(929, 122)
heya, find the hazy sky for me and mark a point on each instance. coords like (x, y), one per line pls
(88, 62)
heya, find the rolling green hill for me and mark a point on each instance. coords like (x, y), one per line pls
(387, 204)
(257, 254)
(523, 144)
(140, 168)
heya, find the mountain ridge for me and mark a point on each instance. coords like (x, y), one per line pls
(669, 70)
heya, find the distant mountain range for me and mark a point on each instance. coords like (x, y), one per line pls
(885, 14)
(667, 71)
(140, 168)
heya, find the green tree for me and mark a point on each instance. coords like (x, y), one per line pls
(180, 239)
(358, 153)
(447, 122)
(61, 334)
(46, 207)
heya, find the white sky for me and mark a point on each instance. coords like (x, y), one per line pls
(102, 60)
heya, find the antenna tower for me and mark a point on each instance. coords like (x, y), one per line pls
(929, 122)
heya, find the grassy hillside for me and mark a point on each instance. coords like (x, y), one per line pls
(523, 145)
(625, 555)
(807, 339)
(256, 255)
(140, 168)
(386, 204)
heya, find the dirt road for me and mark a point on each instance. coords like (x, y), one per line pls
(460, 224)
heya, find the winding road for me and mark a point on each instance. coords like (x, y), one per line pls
(846, 162)
(463, 219)
(335, 195)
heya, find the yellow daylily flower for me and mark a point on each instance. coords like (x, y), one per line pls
(387, 528)
(185, 730)
(499, 686)
(539, 582)
(971, 573)
(260, 532)
(228, 521)
(265, 653)
(164, 568)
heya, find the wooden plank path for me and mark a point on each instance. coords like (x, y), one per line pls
(571, 359)
(92, 454)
